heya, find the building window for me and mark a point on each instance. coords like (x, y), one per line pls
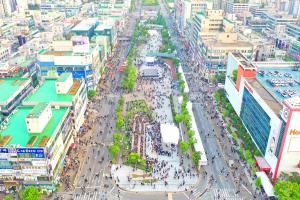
(280, 138)
(256, 121)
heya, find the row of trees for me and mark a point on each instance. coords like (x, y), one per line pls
(185, 117)
(166, 38)
(114, 149)
(129, 78)
(30, 193)
(228, 111)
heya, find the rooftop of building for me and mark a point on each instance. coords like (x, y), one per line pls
(238, 44)
(278, 16)
(17, 128)
(37, 110)
(65, 53)
(47, 93)
(8, 86)
(63, 77)
(102, 27)
(281, 83)
(83, 26)
(265, 95)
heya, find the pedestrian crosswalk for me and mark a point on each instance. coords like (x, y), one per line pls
(98, 195)
(228, 194)
(90, 196)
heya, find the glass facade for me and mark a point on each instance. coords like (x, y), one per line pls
(280, 138)
(256, 120)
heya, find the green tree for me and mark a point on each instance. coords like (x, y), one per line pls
(142, 161)
(186, 118)
(234, 75)
(134, 157)
(247, 154)
(287, 190)
(196, 156)
(193, 140)
(91, 94)
(117, 137)
(121, 101)
(184, 146)
(217, 96)
(7, 198)
(178, 118)
(114, 149)
(253, 171)
(224, 113)
(258, 182)
(31, 193)
(191, 133)
(119, 122)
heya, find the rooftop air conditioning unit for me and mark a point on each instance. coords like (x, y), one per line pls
(57, 107)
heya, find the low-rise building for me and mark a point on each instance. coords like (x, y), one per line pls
(277, 23)
(77, 56)
(213, 52)
(85, 28)
(13, 91)
(293, 30)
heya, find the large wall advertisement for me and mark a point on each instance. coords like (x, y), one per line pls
(290, 157)
(80, 44)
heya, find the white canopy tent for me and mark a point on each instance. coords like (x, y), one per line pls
(197, 146)
(186, 88)
(169, 133)
(150, 60)
(266, 183)
(180, 99)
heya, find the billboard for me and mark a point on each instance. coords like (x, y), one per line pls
(38, 152)
(80, 44)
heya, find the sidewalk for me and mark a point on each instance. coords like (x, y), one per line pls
(245, 182)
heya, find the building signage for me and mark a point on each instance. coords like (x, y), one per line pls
(248, 87)
(294, 132)
(39, 152)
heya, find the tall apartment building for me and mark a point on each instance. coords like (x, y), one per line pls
(293, 30)
(190, 8)
(237, 8)
(219, 4)
(294, 8)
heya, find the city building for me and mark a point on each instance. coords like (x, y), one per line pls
(35, 158)
(257, 24)
(259, 12)
(277, 23)
(294, 8)
(237, 8)
(264, 51)
(293, 30)
(13, 91)
(294, 50)
(63, 91)
(269, 108)
(77, 56)
(214, 51)
(107, 30)
(85, 28)
(190, 8)
(213, 21)
(4, 53)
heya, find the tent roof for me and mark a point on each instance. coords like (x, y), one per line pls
(266, 183)
(170, 134)
(150, 73)
(150, 59)
(197, 146)
(262, 163)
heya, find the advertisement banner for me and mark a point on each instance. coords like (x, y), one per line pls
(39, 152)
(80, 44)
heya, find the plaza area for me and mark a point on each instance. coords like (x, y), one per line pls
(167, 168)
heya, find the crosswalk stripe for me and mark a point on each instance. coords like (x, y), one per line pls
(226, 193)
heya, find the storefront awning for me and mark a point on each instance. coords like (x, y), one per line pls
(262, 163)
(72, 145)
(266, 183)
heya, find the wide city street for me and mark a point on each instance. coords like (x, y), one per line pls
(174, 173)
